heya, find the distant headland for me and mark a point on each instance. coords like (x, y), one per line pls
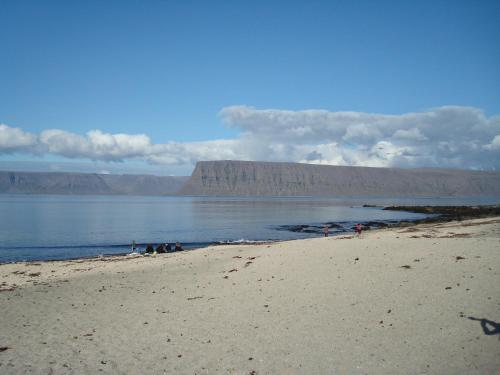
(249, 178)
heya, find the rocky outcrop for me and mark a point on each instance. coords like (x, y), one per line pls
(292, 179)
(84, 183)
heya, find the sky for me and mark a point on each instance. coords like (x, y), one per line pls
(155, 86)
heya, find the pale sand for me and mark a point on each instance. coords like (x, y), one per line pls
(317, 306)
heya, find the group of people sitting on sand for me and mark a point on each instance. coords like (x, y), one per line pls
(160, 249)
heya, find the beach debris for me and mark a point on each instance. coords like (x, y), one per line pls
(237, 257)
(251, 258)
(248, 263)
(19, 272)
(389, 311)
(34, 274)
(4, 348)
(457, 235)
(4, 287)
(253, 372)
(179, 355)
(233, 270)
(356, 259)
(459, 258)
(448, 288)
(406, 266)
(192, 298)
(226, 277)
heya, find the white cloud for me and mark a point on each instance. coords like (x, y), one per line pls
(412, 134)
(449, 136)
(494, 145)
(15, 139)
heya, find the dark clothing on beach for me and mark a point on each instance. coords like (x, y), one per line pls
(178, 247)
(168, 248)
(150, 249)
(160, 249)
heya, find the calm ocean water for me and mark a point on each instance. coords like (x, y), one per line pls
(36, 227)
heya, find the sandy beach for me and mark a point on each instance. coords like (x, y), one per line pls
(418, 300)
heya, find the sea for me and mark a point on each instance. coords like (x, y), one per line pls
(56, 227)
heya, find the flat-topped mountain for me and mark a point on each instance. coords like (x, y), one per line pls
(292, 179)
(233, 178)
(87, 183)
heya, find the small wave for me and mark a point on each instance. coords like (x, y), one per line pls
(243, 241)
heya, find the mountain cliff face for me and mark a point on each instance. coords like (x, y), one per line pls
(288, 179)
(83, 183)
(262, 178)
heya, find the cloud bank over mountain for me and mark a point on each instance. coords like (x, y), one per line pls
(451, 136)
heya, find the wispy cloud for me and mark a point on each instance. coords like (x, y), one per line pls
(449, 136)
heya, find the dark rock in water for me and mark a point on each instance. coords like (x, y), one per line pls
(334, 225)
(311, 230)
(376, 224)
(436, 214)
(301, 228)
(447, 213)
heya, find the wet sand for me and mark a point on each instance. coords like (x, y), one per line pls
(416, 300)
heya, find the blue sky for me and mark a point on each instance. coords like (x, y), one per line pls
(167, 69)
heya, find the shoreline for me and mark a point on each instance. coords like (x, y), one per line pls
(442, 214)
(395, 300)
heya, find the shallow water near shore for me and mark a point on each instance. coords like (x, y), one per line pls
(40, 227)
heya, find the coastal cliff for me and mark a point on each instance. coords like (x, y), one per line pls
(293, 179)
(86, 183)
(247, 178)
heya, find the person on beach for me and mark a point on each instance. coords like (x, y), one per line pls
(358, 229)
(168, 248)
(160, 249)
(326, 230)
(149, 249)
(178, 247)
(133, 247)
